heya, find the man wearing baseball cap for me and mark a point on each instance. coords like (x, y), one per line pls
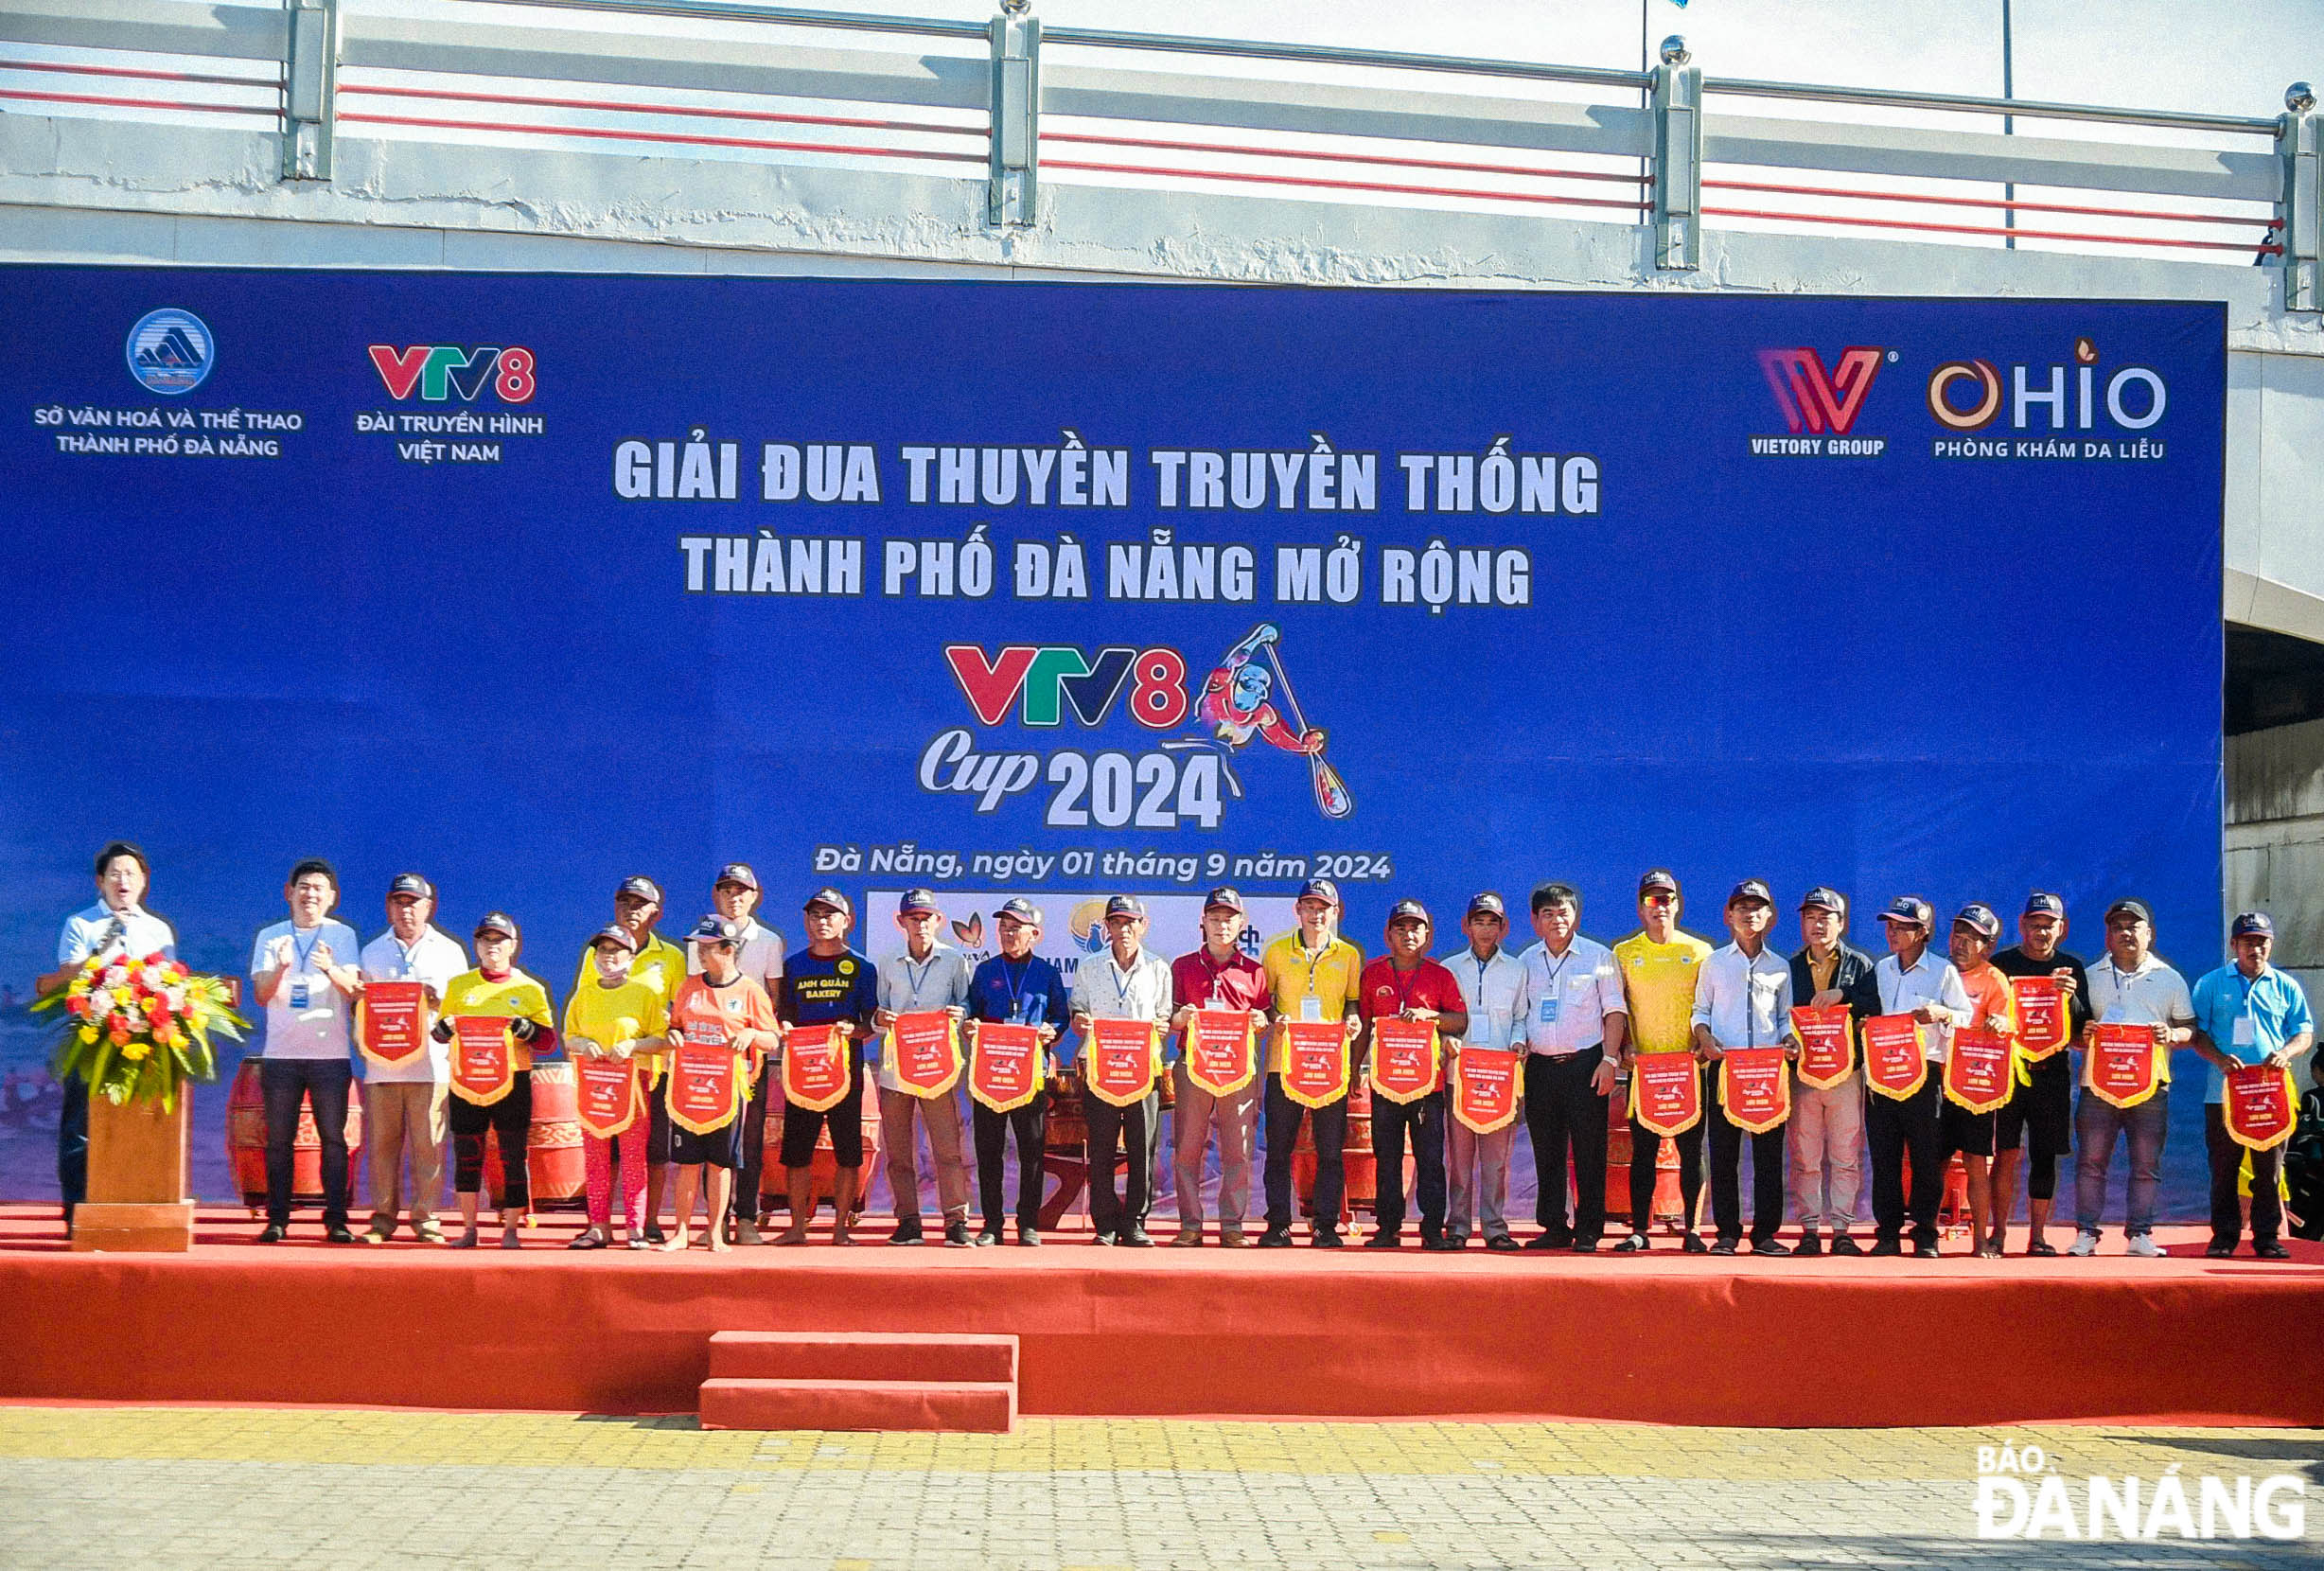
(404, 1104)
(1827, 1124)
(658, 966)
(2131, 986)
(1659, 966)
(1743, 1000)
(926, 975)
(1405, 984)
(1124, 983)
(1916, 982)
(735, 898)
(1993, 1006)
(2248, 1013)
(828, 983)
(1491, 981)
(1216, 975)
(2039, 1115)
(1314, 975)
(1016, 987)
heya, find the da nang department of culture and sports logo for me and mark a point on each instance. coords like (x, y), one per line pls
(170, 351)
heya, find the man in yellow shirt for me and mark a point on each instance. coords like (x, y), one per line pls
(1659, 965)
(1314, 974)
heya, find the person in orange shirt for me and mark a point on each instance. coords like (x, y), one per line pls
(717, 1001)
(1975, 931)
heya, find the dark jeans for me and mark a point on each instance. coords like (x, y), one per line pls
(1768, 1162)
(1645, 1152)
(1895, 1132)
(1562, 1110)
(510, 1120)
(1425, 1120)
(1283, 1117)
(73, 1146)
(1030, 1125)
(751, 1161)
(1123, 1136)
(322, 1083)
(2227, 1164)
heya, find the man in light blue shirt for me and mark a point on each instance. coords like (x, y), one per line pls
(304, 974)
(2246, 1013)
(1478, 1165)
(118, 925)
(926, 975)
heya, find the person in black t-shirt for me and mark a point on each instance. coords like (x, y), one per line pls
(2040, 1113)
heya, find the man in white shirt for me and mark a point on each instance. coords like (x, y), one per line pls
(2131, 986)
(735, 894)
(118, 925)
(926, 975)
(304, 974)
(1490, 979)
(1570, 1016)
(404, 1103)
(1124, 983)
(1913, 982)
(1743, 1000)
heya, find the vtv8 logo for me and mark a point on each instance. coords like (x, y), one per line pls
(438, 372)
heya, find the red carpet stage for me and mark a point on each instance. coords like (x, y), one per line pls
(1665, 1338)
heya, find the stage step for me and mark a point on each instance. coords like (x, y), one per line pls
(859, 1380)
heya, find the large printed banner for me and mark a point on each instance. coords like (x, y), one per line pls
(529, 583)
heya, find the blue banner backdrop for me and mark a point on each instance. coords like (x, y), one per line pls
(533, 582)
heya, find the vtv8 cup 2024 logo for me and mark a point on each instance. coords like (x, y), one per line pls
(1243, 710)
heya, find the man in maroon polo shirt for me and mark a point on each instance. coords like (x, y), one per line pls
(1405, 984)
(1218, 975)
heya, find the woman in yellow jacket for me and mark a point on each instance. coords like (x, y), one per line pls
(492, 1070)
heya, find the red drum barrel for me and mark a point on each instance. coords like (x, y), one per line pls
(1357, 1160)
(556, 1167)
(824, 1167)
(246, 1144)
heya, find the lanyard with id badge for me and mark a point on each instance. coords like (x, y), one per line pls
(302, 987)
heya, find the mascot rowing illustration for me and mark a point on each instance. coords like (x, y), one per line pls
(1240, 701)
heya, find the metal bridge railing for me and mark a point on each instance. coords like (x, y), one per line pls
(1009, 104)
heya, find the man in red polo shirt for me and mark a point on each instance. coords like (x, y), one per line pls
(1218, 975)
(1405, 984)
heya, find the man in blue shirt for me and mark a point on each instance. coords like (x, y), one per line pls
(824, 984)
(1016, 987)
(2246, 1013)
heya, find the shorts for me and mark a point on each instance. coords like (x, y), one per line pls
(1957, 1129)
(722, 1147)
(2040, 1114)
(800, 1126)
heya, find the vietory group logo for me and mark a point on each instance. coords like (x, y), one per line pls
(1820, 405)
(170, 351)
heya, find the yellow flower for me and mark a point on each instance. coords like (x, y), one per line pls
(135, 1051)
(88, 1033)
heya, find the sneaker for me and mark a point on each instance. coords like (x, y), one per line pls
(2272, 1249)
(907, 1232)
(1440, 1245)
(1635, 1245)
(1925, 1251)
(2084, 1244)
(1724, 1246)
(1810, 1245)
(955, 1235)
(988, 1238)
(1106, 1239)
(746, 1231)
(1328, 1238)
(1844, 1244)
(1880, 1247)
(1275, 1238)
(274, 1232)
(2143, 1245)
(1188, 1238)
(1502, 1244)
(1771, 1246)
(1136, 1237)
(378, 1235)
(1233, 1239)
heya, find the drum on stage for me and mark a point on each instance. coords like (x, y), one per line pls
(1669, 1204)
(554, 1163)
(246, 1144)
(1361, 1167)
(824, 1167)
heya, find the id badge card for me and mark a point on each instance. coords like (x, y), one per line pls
(1549, 1012)
(1311, 1008)
(2246, 1030)
(298, 992)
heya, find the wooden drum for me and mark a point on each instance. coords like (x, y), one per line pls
(246, 1144)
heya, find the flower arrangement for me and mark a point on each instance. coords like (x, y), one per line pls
(138, 1028)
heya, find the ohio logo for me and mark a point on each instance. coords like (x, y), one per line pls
(170, 351)
(439, 372)
(1818, 405)
(1970, 394)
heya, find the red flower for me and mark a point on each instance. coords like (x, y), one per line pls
(154, 959)
(78, 1004)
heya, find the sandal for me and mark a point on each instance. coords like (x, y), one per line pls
(2041, 1249)
(587, 1241)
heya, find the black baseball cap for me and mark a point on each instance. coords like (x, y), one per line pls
(1909, 910)
(1750, 889)
(832, 897)
(1124, 904)
(919, 900)
(1224, 899)
(716, 930)
(1486, 900)
(737, 873)
(2042, 903)
(1979, 918)
(2252, 925)
(2138, 909)
(1320, 888)
(614, 932)
(639, 885)
(1658, 878)
(411, 884)
(1824, 898)
(1404, 909)
(498, 922)
(1021, 909)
